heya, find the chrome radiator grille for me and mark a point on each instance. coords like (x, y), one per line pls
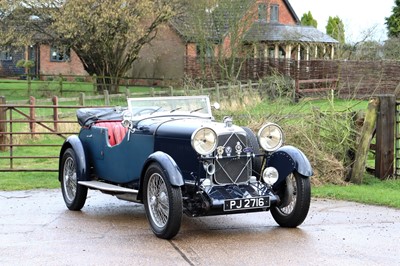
(229, 167)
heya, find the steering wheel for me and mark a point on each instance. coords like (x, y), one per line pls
(146, 110)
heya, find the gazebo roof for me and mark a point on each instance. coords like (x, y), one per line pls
(263, 32)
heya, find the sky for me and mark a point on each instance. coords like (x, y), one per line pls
(358, 16)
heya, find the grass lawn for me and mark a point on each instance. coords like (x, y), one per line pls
(372, 191)
(18, 89)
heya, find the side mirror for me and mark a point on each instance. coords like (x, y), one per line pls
(216, 106)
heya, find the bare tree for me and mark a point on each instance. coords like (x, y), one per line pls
(106, 35)
(218, 27)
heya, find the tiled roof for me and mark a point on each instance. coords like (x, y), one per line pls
(215, 22)
(262, 31)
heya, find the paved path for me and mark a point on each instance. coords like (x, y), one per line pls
(37, 229)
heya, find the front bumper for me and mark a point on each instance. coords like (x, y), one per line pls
(216, 198)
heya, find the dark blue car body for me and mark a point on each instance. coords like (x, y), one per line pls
(183, 162)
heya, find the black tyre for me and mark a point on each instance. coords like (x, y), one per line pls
(163, 203)
(74, 194)
(295, 201)
(257, 161)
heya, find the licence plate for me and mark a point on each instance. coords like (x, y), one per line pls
(248, 203)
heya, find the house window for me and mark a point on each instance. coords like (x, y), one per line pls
(205, 51)
(262, 11)
(59, 54)
(5, 56)
(274, 13)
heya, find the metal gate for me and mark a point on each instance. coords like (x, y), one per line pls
(20, 125)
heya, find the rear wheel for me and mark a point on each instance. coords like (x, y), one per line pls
(74, 194)
(295, 196)
(163, 203)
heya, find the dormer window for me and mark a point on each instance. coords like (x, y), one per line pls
(274, 13)
(262, 12)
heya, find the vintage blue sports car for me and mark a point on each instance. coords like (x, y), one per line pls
(170, 154)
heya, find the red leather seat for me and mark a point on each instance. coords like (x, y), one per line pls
(116, 132)
(119, 132)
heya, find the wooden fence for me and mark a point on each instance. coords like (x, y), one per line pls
(30, 112)
(358, 79)
(387, 158)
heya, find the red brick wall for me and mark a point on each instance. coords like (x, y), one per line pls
(285, 17)
(191, 49)
(72, 67)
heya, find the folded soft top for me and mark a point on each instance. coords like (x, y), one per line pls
(87, 116)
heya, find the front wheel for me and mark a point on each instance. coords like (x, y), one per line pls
(163, 203)
(74, 194)
(295, 196)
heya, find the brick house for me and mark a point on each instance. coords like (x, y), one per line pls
(49, 61)
(274, 32)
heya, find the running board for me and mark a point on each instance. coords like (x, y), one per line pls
(107, 187)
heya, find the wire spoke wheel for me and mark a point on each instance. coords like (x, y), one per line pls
(295, 201)
(74, 194)
(157, 197)
(163, 203)
(69, 179)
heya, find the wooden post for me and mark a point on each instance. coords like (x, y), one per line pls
(385, 139)
(365, 141)
(28, 77)
(94, 81)
(106, 98)
(60, 82)
(241, 94)
(127, 93)
(152, 93)
(218, 94)
(55, 112)
(32, 115)
(82, 99)
(3, 125)
(171, 91)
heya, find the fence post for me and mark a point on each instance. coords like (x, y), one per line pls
(152, 93)
(358, 170)
(250, 88)
(3, 125)
(55, 112)
(127, 93)
(171, 91)
(218, 94)
(94, 81)
(241, 94)
(385, 128)
(28, 77)
(32, 115)
(82, 99)
(106, 98)
(60, 82)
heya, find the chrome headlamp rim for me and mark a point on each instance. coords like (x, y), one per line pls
(196, 140)
(279, 139)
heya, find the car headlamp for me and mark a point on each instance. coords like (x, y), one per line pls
(204, 140)
(270, 137)
(270, 175)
